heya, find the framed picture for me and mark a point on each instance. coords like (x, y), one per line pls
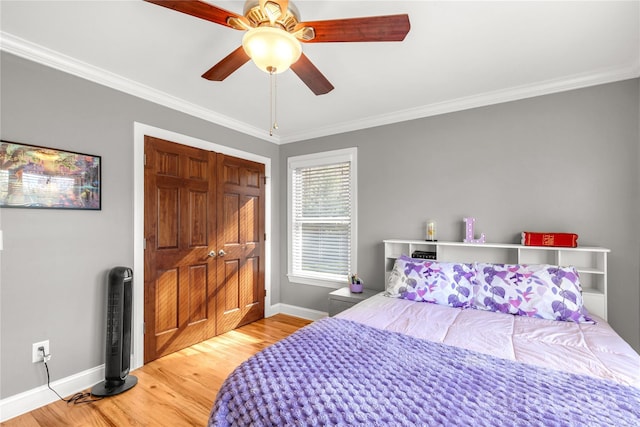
(47, 178)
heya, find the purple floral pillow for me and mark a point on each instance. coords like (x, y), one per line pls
(430, 281)
(545, 291)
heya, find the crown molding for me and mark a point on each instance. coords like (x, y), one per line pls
(37, 53)
(42, 55)
(516, 93)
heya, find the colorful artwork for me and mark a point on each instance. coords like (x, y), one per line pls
(38, 177)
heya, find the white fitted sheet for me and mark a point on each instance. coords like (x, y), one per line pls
(580, 348)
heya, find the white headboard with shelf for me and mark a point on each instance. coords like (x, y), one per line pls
(591, 262)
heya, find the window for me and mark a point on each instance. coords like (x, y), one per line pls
(322, 217)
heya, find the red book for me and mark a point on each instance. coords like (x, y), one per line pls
(565, 240)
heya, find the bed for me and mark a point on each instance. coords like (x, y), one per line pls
(397, 361)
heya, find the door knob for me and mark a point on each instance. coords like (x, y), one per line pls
(212, 254)
(221, 253)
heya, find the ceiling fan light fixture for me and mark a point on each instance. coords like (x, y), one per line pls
(271, 49)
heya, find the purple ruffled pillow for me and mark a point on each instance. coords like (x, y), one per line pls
(441, 283)
(544, 291)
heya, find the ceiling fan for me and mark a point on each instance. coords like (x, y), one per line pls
(276, 23)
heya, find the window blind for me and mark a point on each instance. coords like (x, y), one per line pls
(321, 221)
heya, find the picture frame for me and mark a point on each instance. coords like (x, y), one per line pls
(38, 177)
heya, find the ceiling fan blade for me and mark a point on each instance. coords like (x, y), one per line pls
(202, 10)
(311, 76)
(387, 28)
(228, 65)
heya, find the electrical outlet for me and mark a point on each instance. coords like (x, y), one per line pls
(36, 355)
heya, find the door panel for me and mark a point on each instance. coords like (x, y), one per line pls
(198, 219)
(231, 302)
(230, 174)
(180, 231)
(167, 163)
(231, 213)
(253, 284)
(197, 293)
(167, 302)
(250, 218)
(168, 215)
(198, 169)
(241, 236)
(253, 179)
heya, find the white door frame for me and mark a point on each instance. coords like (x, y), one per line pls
(139, 132)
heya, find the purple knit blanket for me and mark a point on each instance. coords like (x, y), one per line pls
(337, 372)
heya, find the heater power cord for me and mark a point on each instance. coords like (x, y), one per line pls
(78, 398)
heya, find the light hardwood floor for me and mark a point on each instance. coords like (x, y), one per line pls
(176, 390)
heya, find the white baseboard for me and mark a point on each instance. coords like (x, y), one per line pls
(29, 400)
(293, 310)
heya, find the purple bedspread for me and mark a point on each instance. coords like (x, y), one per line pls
(338, 372)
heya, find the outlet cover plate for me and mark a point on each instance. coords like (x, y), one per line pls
(36, 356)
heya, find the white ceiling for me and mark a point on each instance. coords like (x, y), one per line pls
(457, 55)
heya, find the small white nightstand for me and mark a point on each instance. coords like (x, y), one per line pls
(343, 298)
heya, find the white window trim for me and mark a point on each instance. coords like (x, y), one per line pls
(319, 159)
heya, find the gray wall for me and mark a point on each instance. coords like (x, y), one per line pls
(563, 162)
(54, 262)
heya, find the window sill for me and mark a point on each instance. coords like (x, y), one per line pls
(316, 282)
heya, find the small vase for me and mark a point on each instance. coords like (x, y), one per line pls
(356, 288)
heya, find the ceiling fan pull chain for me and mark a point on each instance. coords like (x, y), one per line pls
(273, 90)
(270, 102)
(275, 101)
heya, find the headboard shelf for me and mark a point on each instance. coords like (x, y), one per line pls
(589, 261)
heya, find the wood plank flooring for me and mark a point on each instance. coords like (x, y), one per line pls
(176, 390)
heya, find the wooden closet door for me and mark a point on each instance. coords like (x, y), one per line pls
(240, 290)
(180, 233)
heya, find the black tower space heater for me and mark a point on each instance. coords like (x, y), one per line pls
(118, 345)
